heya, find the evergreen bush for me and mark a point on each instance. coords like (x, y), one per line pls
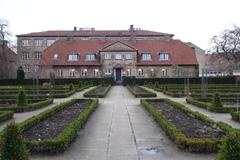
(71, 87)
(216, 102)
(13, 147)
(230, 148)
(21, 98)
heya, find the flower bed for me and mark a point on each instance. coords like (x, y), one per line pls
(209, 106)
(190, 130)
(235, 116)
(29, 107)
(53, 130)
(98, 92)
(138, 91)
(6, 115)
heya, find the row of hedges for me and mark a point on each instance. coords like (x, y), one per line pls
(92, 92)
(195, 80)
(235, 116)
(174, 94)
(209, 106)
(29, 107)
(63, 140)
(6, 115)
(94, 81)
(182, 141)
(142, 93)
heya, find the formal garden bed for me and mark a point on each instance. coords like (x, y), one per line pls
(138, 91)
(53, 130)
(11, 105)
(6, 115)
(190, 130)
(98, 91)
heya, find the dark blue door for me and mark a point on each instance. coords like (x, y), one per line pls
(118, 74)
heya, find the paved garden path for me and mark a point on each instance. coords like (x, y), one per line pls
(121, 130)
(224, 117)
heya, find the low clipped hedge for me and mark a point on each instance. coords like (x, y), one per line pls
(63, 95)
(6, 115)
(182, 141)
(209, 106)
(82, 88)
(174, 94)
(29, 107)
(63, 140)
(235, 116)
(92, 93)
(145, 93)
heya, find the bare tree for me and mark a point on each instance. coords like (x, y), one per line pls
(228, 45)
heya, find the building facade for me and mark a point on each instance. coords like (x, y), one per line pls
(98, 53)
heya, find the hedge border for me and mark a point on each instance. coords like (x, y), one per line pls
(6, 115)
(182, 141)
(141, 95)
(91, 93)
(235, 116)
(29, 107)
(209, 106)
(64, 139)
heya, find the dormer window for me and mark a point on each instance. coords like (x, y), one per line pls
(146, 57)
(90, 57)
(55, 56)
(164, 56)
(73, 57)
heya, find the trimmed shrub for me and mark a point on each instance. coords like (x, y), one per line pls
(21, 98)
(235, 116)
(13, 146)
(5, 115)
(230, 148)
(165, 88)
(71, 87)
(20, 75)
(142, 92)
(216, 102)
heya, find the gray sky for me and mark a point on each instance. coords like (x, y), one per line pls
(189, 20)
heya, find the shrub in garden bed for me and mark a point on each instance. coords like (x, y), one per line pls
(60, 141)
(174, 94)
(98, 92)
(28, 107)
(235, 116)
(210, 106)
(6, 115)
(176, 130)
(138, 91)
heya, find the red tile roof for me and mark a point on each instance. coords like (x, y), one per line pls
(179, 52)
(11, 56)
(97, 33)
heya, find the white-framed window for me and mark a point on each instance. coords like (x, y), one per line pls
(38, 42)
(83, 72)
(107, 56)
(163, 56)
(36, 68)
(118, 56)
(108, 71)
(50, 42)
(96, 72)
(140, 72)
(55, 56)
(72, 72)
(90, 57)
(146, 57)
(25, 55)
(37, 55)
(59, 73)
(73, 57)
(26, 42)
(128, 72)
(129, 56)
(164, 72)
(27, 68)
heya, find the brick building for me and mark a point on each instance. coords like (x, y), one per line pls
(99, 53)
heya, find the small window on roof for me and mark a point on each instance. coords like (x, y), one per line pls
(164, 56)
(146, 56)
(55, 56)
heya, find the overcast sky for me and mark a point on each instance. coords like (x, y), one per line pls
(188, 20)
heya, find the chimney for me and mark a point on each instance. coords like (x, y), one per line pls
(74, 28)
(131, 29)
